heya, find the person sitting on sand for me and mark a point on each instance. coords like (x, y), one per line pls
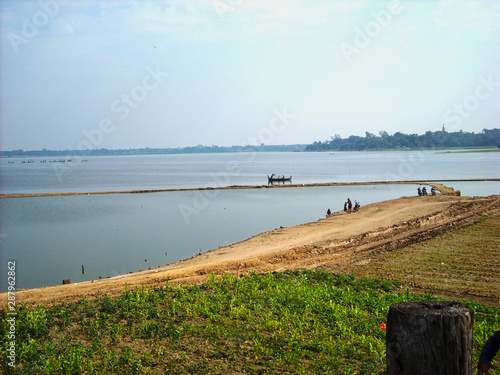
(356, 206)
(328, 212)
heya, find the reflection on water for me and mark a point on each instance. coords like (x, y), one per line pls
(52, 237)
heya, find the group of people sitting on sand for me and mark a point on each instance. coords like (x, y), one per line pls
(347, 207)
(423, 191)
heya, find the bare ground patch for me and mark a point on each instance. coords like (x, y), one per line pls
(463, 262)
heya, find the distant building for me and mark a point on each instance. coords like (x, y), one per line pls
(444, 129)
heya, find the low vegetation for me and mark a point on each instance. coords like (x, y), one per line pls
(462, 262)
(299, 322)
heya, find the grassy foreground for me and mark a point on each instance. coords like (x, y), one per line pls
(299, 322)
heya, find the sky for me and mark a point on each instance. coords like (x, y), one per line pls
(79, 74)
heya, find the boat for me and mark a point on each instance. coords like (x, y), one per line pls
(274, 178)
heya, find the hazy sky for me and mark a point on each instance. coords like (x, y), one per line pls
(126, 74)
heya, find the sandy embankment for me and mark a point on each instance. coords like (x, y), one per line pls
(333, 243)
(440, 187)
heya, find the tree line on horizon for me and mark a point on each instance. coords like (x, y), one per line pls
(200, 149)
(438, 139)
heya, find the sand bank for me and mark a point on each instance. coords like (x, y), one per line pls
(436, 183)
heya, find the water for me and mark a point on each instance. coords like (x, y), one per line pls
(52, 237)
(103, 173)
(475, 188)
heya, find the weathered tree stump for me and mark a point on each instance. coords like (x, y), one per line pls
(429, 337)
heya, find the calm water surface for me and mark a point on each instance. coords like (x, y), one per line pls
(201, 170)
(52, 237)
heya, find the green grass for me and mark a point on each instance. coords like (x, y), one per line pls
(300, 322)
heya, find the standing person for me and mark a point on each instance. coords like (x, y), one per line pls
(490, 348)
(349, 206)
(345, 206)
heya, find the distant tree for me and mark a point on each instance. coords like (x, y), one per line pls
(439, 139)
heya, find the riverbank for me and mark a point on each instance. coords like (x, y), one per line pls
(333, 243)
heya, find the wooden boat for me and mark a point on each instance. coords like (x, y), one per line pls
(273, 178)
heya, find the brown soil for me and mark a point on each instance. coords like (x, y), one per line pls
(335, 243)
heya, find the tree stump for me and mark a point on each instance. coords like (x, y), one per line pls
(429, 337)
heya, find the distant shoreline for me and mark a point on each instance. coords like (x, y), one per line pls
(222, 150)
(436, 183)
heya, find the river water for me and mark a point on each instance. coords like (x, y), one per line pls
(50, 238)
(105, 173)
